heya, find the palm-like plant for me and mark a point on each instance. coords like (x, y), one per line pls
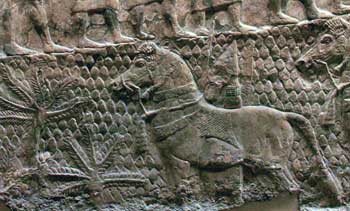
(94, 168)
(36, 102)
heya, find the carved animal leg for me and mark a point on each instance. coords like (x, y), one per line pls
(113, 24)
(81, 25)
(39, 19)
(287, 179)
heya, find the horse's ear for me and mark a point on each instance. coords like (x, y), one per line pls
(338, 26)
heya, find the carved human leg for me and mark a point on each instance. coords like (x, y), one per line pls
(138, 21)
(11, 47)
(82, 24)
(339, 7)
(277, 16)
(38, 17)
(111, 17)
(235, 12)
(199, 18)
(313, 12)
(169, 8)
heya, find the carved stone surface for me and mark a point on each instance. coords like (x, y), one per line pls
(175, 105)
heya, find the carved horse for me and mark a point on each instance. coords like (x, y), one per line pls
(185, 127)
(331, 47)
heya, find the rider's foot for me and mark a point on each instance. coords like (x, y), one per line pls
(202, 31)
(119, 38)
(87, 43)
(15, 49)
(145, 36)
(282, 19)
(316, 13)
(244, 28)
(54, 48)
(181, 33)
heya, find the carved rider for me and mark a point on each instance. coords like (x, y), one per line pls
(110, 9)
(169, 9)
(37, 15)
(233, 7)
(277, 7)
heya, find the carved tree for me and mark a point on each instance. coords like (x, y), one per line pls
(36, 104)
(94, 166)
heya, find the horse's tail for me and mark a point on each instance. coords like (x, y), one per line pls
(305, 129)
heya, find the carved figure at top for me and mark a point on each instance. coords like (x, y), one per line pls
(110, 9)
(169, 10)
(187, 128)
(233, 7)
(277, 7)
(37, 15)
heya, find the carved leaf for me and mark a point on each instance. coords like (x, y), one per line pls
(108, 152)
(8, 105)
(67, 172)
(65, 84)
(35, 82)
(14, 85)
(79, 156)
(14, 117)
(123, 179)
(72, 109)
(71, 188)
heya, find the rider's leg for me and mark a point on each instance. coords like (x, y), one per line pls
(10, 45)
(339, 8)
(169, 8)
(200, 18)
(111, 17)
(277, 16)
(81, 25)
(235, 12)
(313, 12)
(39, 19)
(138, 21)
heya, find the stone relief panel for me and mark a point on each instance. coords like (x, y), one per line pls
(174, 105)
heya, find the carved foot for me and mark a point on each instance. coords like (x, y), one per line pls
(282, 19)
(87, 43)
(202, 31)
(15, 49)
(318, 14)
(119, 38)
(244, 28)
(184, 34)
(145, 36)
(341, 9)
(54, 48)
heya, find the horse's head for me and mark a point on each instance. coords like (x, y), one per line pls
(140, 73)
(331, 47)
(156, 68)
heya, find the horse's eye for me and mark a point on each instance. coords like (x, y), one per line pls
(140, 63)
(327, 40)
